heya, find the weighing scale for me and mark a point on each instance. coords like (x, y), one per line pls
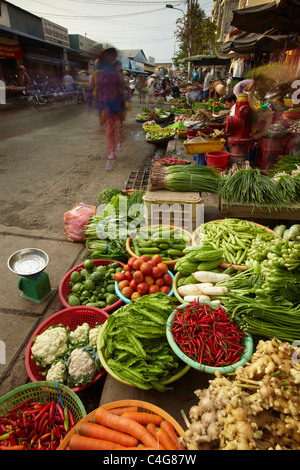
(29, 264)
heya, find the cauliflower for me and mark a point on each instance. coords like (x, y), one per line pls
(83, 366)
(57, 372)
(49, 345)
(93, 335)
(80, 335)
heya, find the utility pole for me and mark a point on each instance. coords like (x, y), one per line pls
(189, 36)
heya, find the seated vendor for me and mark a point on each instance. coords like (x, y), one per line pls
(230, 101)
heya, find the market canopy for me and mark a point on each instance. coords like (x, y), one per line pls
(206, 60)
(247, 43)
(283, 16)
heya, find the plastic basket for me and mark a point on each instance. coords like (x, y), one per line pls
(64, 287)
(203, 147)
(169, 263)
(43, 392)
(101, 355)
(72, 317)
(247, 341)
(142, 406)
(126, 300)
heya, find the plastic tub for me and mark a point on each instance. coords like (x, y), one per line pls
(218, 160)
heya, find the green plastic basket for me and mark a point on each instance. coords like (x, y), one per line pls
(43, 392)
(248, 342)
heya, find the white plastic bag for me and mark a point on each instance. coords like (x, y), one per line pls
(76, 219)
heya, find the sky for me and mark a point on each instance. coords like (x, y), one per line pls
(126, 24)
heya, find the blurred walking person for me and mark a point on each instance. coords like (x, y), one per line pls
(111, 100)
(141, 87)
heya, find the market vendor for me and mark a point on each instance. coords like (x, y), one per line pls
(217, 89)
(206, 84)
(230, 102)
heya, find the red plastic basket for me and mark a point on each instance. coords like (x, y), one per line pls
(72, 317)
(64, 287)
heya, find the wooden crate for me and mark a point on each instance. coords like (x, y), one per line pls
(248, 212)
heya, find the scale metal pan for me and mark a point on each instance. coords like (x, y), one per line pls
(28, 261)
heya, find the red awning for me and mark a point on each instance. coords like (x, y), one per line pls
(10, 51)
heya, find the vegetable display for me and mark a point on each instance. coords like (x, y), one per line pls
(93, 286)
(206, 334)
(165, 241)
(66, 356)
(143, 276)
(32, 425)
(125, 428)
(184, 178)
(134, 344)
(255, 409)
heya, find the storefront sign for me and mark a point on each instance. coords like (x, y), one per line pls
(90, 46)
(10, 50)
(55, 34)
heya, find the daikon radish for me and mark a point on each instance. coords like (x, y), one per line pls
(207, 276)
(214, 290)
(193, 289)
(194, 298)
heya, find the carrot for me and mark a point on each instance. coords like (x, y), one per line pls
(152, 429)
(123, 409)
(143, 418)
(129, 426)
(78, 442)
(98, 431)
(165, 440)
(169, 428)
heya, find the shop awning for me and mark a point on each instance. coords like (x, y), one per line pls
(206, 60)
(283, 16)
(248, 43)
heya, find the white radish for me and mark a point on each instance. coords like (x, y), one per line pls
(214, 290)
(207, 276)
(192, 298)
(193, 289)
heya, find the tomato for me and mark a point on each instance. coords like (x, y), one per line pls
(137, 264)
(153, 289)
(133, 284)
(167, 279)
(135, 295)
(138, 276)
(145, 258)
(127, 292)
(152, 263)
(119, 277)
(128, 275)
(157, 272)
(149, 280)
(163, 266)
(165, 289)
(126, 268)
(146, 268)
(157, 259)
(130, 261)
(123, 284)
(142, 288)
(159, 282)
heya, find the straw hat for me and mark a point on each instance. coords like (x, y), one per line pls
(221, 89)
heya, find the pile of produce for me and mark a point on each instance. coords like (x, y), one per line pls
(285, 164)
(234, 237)
(32, 425)
(66, 356)
(288, 233)
(106, 232)
(184, 178)
(149, 115)
(134, 345)
(93, 286)
(124, 428)
(160, 134)
(165, 241)
(169, 161)
(256, 409)
(206, 334)
(251, 186)
(143, 276)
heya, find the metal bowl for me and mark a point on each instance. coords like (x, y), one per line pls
(28, 261)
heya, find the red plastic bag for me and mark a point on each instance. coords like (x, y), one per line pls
(76, 219)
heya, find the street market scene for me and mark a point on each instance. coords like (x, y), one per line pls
(150, 229)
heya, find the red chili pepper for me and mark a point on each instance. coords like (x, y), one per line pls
(21, 405)
(43, 410)
(16, 447)
(51, 413)
(71, 418)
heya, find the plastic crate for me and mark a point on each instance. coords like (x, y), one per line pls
(191, 147)
(182, 209)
